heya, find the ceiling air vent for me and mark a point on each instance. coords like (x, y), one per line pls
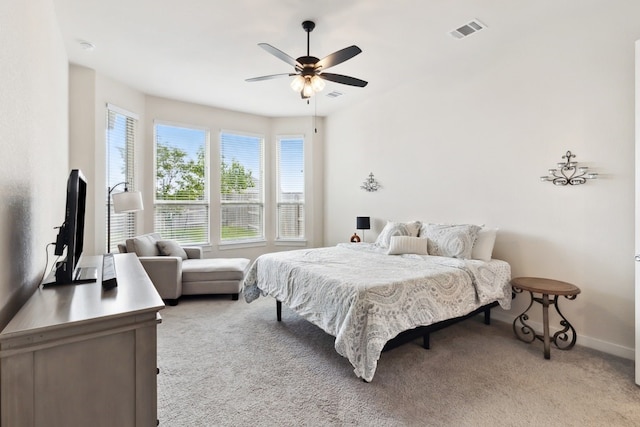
(334, 94)
(467, 29)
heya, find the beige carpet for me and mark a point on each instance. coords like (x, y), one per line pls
(229, 363)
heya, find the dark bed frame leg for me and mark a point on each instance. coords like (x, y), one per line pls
(425, 341)
(279, 310)
(487, 316)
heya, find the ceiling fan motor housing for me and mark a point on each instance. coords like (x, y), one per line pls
(308, 65)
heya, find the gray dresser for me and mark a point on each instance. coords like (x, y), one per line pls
(76, 355)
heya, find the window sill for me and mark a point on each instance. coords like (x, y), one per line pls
(290, 243)
(241, 245)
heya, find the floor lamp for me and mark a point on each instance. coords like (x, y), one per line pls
(126, 201)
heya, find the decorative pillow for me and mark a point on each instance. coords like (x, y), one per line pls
(414, 228)
(399, 245)
(397, 229)
(422, 231)
(454, 241)
(483, 247)
(144, 245)
(171, 248)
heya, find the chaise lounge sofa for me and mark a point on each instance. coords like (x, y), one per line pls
(176, 270)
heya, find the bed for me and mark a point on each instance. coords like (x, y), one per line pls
(365, 297)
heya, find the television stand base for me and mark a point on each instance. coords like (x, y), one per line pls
(82, 275)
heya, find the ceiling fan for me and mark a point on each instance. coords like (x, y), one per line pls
(309, 70)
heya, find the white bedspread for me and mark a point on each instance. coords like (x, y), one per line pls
(364, 297)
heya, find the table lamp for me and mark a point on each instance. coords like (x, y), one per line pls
(363, 223)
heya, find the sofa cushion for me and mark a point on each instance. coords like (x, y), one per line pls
(144, 245)
(213, 269)
(171, 248)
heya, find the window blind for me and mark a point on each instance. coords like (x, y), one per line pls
(290, 203)
(241, 187)
(120, 167)
(181, 207)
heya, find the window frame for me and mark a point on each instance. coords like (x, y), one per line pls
(206, 202)
(249, 241)
(127, 221)
(278, 202)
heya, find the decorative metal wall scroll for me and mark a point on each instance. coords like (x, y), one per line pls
(568, 172)
(370, 184)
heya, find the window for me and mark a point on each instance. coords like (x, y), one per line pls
(181, 208)
(120, 137)
(241, 187)
(290, 203)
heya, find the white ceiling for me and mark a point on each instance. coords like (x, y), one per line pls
(202, 51)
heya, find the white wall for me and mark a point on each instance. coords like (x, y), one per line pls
(467, 144)
(33, 143)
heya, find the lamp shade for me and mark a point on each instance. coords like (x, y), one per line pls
(363, 223)
(127, 201)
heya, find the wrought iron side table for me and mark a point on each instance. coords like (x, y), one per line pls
(546, 287)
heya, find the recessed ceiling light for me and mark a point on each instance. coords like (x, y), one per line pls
(86, 45)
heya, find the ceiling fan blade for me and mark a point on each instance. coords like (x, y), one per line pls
(272, 76)
(345, 80)
(338, 57)
(280, 54)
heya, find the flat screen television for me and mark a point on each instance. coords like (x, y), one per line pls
(71, 236)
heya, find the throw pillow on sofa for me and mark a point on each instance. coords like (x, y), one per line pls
(171, 248)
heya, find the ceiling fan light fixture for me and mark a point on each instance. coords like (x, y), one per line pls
(297, 83)
(317, 83)
(310, 72)
(307, 90)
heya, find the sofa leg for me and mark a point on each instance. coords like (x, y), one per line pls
(234, 297)
(172, 302)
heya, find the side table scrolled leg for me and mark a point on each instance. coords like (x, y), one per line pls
(545, 326)
(561, 338)
(524, 332)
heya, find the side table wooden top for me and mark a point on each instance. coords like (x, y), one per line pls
(545, 286)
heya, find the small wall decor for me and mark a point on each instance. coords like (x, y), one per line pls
(568, 172)
(370, 184)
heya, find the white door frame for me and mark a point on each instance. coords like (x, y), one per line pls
(637, 215)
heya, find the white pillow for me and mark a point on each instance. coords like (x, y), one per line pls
(397, 229)
(399, 245)
(483, 247)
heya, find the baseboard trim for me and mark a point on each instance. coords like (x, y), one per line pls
(585, 341)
